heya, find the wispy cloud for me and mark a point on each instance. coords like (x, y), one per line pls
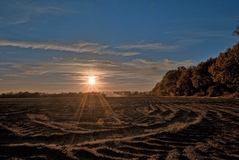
(15, 12)
(67, 74)
(155, 46)
(80, 47)
(210, 33)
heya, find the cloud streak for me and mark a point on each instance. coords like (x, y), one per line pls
(71, 74)
(80, 47)
(92, 48)
(14, 12)
(155, 46)
(77, 47)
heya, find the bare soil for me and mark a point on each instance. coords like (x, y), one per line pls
(95, 127)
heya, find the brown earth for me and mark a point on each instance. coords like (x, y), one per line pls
(96, 127)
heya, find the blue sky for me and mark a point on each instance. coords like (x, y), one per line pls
(54, 46)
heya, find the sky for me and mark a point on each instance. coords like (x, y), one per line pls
(126, 45)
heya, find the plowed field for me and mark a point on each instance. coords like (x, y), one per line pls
(96, 127)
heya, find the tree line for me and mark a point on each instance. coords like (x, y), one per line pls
(215, 77)
(38, 95)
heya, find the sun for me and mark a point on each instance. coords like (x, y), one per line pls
(91, 80)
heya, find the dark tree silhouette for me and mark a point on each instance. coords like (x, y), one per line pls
(215, 77)
(201, 78)
(226, 69)
(236, 31)
(184, 83)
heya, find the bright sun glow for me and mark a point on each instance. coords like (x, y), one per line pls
(91, 80)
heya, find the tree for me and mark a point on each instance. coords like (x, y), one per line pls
(201, 78)
(168, 86)
(215, 77)
(184, 83)
(226, 69)
(236, 31)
